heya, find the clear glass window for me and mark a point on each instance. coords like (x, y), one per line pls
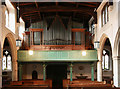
(105, 60)
(6, 61)
(105, 16)
(6, 18)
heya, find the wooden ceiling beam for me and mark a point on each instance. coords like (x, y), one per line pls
(95, 3)
(24, 4)
(38, 8)
(31, 3)
(55, 9)
(65, 10)
(84, 4)
(77, 5)
(56, 3)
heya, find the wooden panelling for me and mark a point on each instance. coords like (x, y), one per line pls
(57, 47)
(78, 29)
(36, 29)
(27, 33)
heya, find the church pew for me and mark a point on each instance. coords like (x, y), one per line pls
(32, 82)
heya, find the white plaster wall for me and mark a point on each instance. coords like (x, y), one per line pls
(29, 68)
(119, 14)
(12, 16)
(86, 70)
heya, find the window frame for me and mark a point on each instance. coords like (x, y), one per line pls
(7, 17)
(103, 56)
(6, 55)
(104, 14)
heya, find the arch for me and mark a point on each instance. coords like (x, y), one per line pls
(34, 74)
(117, 44)
(12, 44)
(102, 42)
(105, 44)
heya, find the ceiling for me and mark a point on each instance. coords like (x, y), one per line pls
(36, 11)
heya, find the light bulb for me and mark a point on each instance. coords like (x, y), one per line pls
(30, 52)
(84, 53)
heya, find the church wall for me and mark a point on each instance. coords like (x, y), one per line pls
(111, 27)
(85, 71)
(29, 68)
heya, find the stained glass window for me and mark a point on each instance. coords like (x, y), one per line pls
(6, 61)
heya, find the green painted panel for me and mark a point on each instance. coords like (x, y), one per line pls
(65, 56)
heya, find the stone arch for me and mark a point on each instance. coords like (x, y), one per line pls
(117, 44)
(116, 57)
(12, 43)
(102, 42)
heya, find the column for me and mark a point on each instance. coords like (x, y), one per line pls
(20, 71)
(0, 68)
(15, 65)
(0, 46)
(116, 71)
(71, 65)
(92, 72)
(99, 66)
(44, 72)
(15, 71)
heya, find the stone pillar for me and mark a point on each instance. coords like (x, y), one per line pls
(44, 72)
(116, 71)
(0, 46)
(71, 65)
(99, 67)
(15, 71)
(99, 71)
(0, 73)
(92, 72)
(20, 71)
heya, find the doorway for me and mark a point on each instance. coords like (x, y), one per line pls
(34, 75)
(56, 73)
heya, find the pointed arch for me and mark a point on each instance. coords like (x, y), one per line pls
(117, 44)
(12, 44)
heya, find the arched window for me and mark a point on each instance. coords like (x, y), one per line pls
(105, 60)
(105, 14)
(6, 61)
